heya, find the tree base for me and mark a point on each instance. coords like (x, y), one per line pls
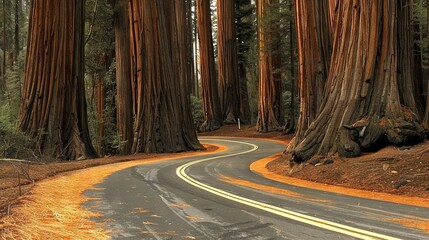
(365, 135)
(209, 126)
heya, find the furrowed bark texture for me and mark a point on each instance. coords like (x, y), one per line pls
(181, 53)
(362, 108)
(270, 109)
(124, 98)
(406, 58)
(211, 103)
(229, 84)
(53, 108)
(160, 121)
(314, 56)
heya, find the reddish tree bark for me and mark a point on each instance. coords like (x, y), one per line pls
(209, 86)
(124, 99)
(160, 108)
(229, 84)
(270, 109)
(361, 108)
(406, 58)
(53, 108)
(314, 56)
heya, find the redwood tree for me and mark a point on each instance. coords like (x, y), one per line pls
(314, 47)
(211, 103)
(53, 108)
(361, 108)
(160, 106)
(123, 75)
(229, 84)
(270, 109)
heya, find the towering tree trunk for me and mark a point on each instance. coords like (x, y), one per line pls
(419, 84)
(314, 54)
(123, 76)
(196, 59)
(229, 84)
(53, 108)
(18, 10)
(211, 103)
(160, 108)
(190, 47)
(361, 108)
(270, 109)
(181, 56)
(136, 20)
(406, 58)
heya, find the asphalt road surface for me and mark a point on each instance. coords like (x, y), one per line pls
(216, 196)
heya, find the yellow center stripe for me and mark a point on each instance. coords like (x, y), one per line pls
(324, 224)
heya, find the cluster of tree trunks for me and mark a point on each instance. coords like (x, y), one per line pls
(161, 75)
(226, 100)
(357, 76)
(365, 103)
(53, 108)
(153, 104)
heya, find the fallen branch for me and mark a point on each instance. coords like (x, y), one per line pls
(20, 161)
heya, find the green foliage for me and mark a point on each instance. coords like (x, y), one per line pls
(197, 111)
(247, 50)
(253, 80)
(246, 29)
(107, 142)
(287, 99)
(420, 22)
(13, 143)
(100, 65)
(280, 22)
(111, 141)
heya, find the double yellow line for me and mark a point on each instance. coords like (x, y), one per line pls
(317, 222)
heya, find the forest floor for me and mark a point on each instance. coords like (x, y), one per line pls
(401, 171)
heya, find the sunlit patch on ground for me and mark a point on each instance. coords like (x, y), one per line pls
(413, 222)
(261, 187)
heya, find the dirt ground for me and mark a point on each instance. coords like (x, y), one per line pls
(402, 171)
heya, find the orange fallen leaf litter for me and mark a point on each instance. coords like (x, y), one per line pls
(54, 209)
(267, 188)
(260, 167)
(422, 224)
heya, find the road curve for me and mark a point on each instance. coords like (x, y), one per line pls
(216, 196)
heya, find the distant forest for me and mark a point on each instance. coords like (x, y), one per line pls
(82, 79)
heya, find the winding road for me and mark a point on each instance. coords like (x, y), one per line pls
(216, 196)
